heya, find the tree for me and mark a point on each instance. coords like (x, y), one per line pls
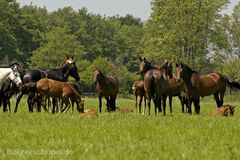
(58, 45)
(181, 30)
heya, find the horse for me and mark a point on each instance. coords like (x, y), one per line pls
(58, 89)
(156, 83)
(226, 110)
(176, 89)
(61, 74)
(138, 91)
(203, 85)
(108, 87)
(10, 73)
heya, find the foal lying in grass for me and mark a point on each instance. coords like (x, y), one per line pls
(225, 110)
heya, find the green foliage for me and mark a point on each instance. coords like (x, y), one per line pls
(58, 46)
(181, 30)
(125, 77)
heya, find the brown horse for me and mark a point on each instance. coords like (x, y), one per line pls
(106, 86)
(176, 89)
(203, 85)
(61, 90)
(156, 83)
(138, 91)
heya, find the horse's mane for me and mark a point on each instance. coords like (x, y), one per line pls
(188, 68)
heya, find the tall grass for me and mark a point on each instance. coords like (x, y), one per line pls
(120, 136)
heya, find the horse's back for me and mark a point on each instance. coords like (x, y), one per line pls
(211, 83)
(32, 76)
(113, 82)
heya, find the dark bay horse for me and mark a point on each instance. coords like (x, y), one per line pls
(138, 91)
(156, 83)
(203, 85)
(61, 74)
(108, 87)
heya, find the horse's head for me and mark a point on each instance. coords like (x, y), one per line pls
(80, 106)
(15, 76)
(96, 76)
(20, 66)
(230, 110)
(69, 60)
(73, 71)
(179, 72)
(168, 68)
(144, 65)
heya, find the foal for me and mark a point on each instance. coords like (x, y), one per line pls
(62, 90)
(138, 91)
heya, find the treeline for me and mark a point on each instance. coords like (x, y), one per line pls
(193, 32)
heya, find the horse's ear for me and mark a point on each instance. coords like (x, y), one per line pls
(72, 57)
(177, 65)
(140, 59)
(67, 57)
(144, 59)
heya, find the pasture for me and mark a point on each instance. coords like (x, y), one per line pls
(120, 135)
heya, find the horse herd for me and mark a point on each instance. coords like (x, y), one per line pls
(187, 84)
(157, 84)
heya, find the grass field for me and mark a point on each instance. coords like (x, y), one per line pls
(120, 136)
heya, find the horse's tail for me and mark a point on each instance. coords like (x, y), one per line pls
(152, 88)
(233, 85)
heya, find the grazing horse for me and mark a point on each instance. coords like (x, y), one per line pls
(61, 74)
(203, 85)
(138, 91)
(61, 90)
(106, 86)
(156, 83)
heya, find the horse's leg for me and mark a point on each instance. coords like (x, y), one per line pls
(164, 99)
(44, 103)
(156, 104)
(113, 102)
(144, 103)
(222, 92)
(170, 103)
(4, 104)
(9, 104)
(140, 104)
(108, 103)
(66, 101)
(181, 98)
(72, 102)
(136, 102)
(149, 106)
(19, 97)
(216, 97)
(197, 105)
(189, 105)
(53, 105)
(100, 103)
(30, 102)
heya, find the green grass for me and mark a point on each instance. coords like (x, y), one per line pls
(120, 136)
